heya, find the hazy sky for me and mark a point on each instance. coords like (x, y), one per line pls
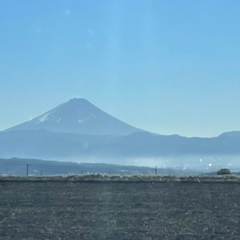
(167, 66)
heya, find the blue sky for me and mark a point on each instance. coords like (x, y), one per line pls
(166, 66)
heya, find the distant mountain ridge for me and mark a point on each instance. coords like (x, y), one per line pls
(79, 131)
(78, 116)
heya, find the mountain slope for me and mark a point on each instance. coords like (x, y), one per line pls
(78, 116)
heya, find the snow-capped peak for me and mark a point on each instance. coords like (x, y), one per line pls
(78, 116)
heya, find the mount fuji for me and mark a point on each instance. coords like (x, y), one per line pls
(78, 116)
(79, 131)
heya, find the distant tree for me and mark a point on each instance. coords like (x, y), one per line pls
(223, 171)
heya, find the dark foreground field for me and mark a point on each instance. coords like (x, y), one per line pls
(119, 210)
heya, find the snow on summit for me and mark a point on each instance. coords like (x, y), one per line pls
(78, 116)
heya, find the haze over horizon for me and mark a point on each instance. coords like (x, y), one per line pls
(168, 67)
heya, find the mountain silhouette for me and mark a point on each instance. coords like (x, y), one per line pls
(78, 116)
(78, 130)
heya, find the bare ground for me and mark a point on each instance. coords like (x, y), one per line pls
(119, 210)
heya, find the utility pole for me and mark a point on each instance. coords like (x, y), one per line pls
(28, 165)
(155, 170)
